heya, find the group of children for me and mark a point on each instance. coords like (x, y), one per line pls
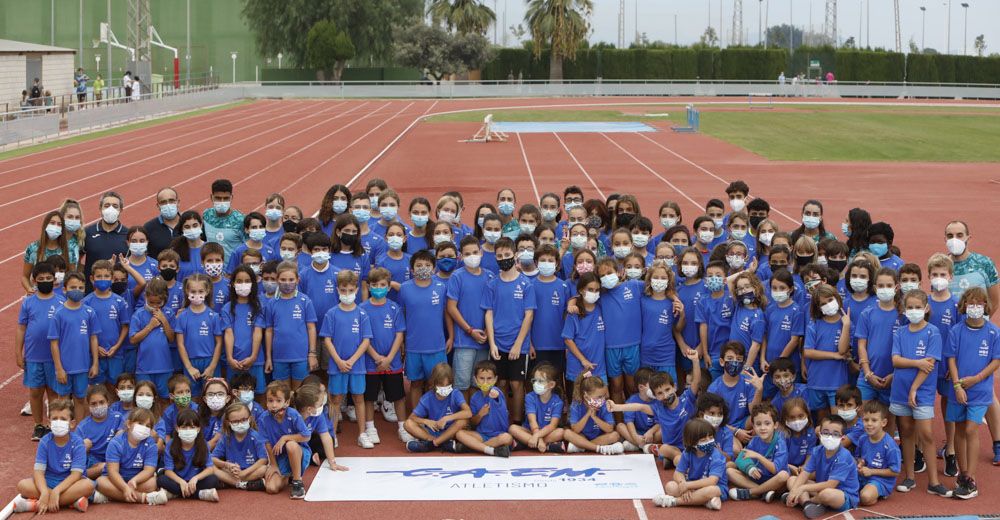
(756, 363)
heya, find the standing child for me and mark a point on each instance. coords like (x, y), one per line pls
(878, 455)
(972, 352)
(551, 296)
(423, 303)
(785, 325)
(760, 470)
(347, 334)
(543, 411)
(827, 349)
(662, 329)
(714, 316)
(284, 431)
(396, 258)
(801, 436)
(243, 322)
(383, 364)
(153, 333)
(916, 351)
(620, 306)
(60, 463)
(829, 478)
(113, 315)
(741, 390)
(944, 315)
(700, 479)
(130, 473)
(489, 416)
(73, 333)
(187, 468)
(318, 281)
(592, 428)
(438, 416)
(31, 343)
(583, 332)
(874, 333)
(240, 457)
(640, 429)
(290, 332)
(465, 298)
(167, 262)
(199, 332)
(214, 268)
(99, 428)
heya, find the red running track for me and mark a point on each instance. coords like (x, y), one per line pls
(301, 147)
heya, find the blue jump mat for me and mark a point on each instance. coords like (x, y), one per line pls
(570, 127)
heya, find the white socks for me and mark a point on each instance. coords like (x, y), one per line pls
(488, 450)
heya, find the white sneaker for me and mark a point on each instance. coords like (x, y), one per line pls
(99, 498)
(664, 501)
(389, 412)
(373, 436)
(573, 448)
(405, 436)
(208, 495)
(156, 498)
(715, 504)
(630, 447)
(365, 442)
(336, 443)
(26, 409)
(24, 505)
(352, 414)
(611, 449)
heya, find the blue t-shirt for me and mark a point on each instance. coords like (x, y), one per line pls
(288, 318)
(489, 262)
(658, 347)
(550, 311)
(168, 421)
(691, 296)
(374, 245)
(189, 470)
(737, 396)
(883, 454)
(317, 424)
(672, 420)
(113, 313)
(856, 308)
(696, 468)
(878, 326)
(973, 349)
(291, 424)
(466, 290)
(783, 323)
(219, 294)
(359, 264)
(347, 330)
(100, 433)
(199, 331)
(423, 309)
(497, 420)
(641, 421)
(434, 408)
(798, 390)
(590, 430)
(153, 356)
(59, 461)
(414, 243)
(268, 250)
(544, 412)
(399, 271)
(840, 467)
(175, 297)
(240, 319)
(243, 453)
(509, 301)
(621, 310)
(779, 456)
(36, 315)
(748, 326)
(386, 321)
(588, 334)
(944, 316)
(131, 460)
(825, 374)
(925, 343)
(717, 313)
(73, 328)
(724, 437)
(321, 288)
(800, 445)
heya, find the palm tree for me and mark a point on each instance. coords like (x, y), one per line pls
(468, 16)
(562, 24)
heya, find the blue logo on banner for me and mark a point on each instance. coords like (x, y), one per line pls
(551, 473)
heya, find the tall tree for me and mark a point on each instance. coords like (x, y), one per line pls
(980, 45)
(466, 16)
(328, 49)
(559, 25)
(427, 48)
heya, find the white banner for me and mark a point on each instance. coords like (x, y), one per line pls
(557, 477)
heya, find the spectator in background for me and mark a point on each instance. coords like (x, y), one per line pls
(223, 224)
(829, 78)
(136, 89)
(98, 89)
(25, 103)
(127, 85)
(80, 81)
(48, 100)
(781, 78)
(36, 93)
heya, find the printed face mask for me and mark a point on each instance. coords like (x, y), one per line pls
(797, 426)
(443, 391)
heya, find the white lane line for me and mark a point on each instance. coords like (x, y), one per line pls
(11, 379)
(655, 173)
(639, 510)
(527, 165)
(580, 166)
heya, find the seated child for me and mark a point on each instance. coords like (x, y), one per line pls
(761, 470)
(245, 386)
(310, 401)
(130, 469)
(187, 468)
(848, 403)
(98, 428)
(878, 455)
(713, 408)
(60, 462)
(700, 479)
(592, 428)
(439, 414)
(125, 388)
(639, 429)
(543, 410)
(829, 478)
(489, 416)
(240, 457)
(284, 430)
(738, 388)
(799, 433)
(180, 394)
(783, 376)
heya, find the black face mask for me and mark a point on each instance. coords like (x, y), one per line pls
(45, 287)
(506, 264)
(755, 222)
(837, 265)
(119, 287)
(803, 261)
(348, 239)
(625, 219)
(289, 226)
(168, 274)
(594, 222)
(775, 267)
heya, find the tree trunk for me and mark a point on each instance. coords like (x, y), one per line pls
(338, 71)
(555, 68)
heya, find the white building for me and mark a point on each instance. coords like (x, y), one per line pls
(21, 63)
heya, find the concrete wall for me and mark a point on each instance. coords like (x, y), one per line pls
(57, 73)
(12, 80)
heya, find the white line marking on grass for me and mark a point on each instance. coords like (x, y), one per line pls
(528, 166)
(705, 170)
(654, 172)
(578, 165)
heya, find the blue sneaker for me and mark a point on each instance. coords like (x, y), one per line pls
(996, 454)
(419, 446)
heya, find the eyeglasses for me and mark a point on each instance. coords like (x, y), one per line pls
(831, 434)
(216, 394)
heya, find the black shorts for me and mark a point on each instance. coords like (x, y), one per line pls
(391, 384)
(556, 358)
(512, 369)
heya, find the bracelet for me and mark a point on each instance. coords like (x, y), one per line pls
(957, 385)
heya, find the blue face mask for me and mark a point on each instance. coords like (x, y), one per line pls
(446, 265)
(706, 448)
(102, 285)
(878, 250)
(75, 296)
(379, 292)
(678, 249)
(714, 283)
(733, 368)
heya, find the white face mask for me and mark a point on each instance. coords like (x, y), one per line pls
(491, 236)
(714, 420)
(215, 403)
(706, 236)
(472, 261)
(622, 251)
(797, 426)
(659, 284)
(939, 283)
(240, 427)
(99, 412)
(187, 434)
(829, 442)
(59, 428)
(140, 432)
(591, 296)
(765, 238)
(539, 387)
(640, 240)
(885, 294)
(738, 234)
(737, 204)
(246, 397)
(443, 391)
(689, 270)
(547, 268)
(349, 298)
(830, 308)
(956, 246)
(859, 284)
(144, 401)
(287, 254)
(668, 222)
(849, 414)
(633, 273)
(110, 214)
(914, 315)
(578, 241)
(126, 395)
(242, 289)
(906, 287)
(779, 296)
(975, 312)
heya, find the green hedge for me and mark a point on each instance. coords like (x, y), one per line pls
(940, 68)
(870, 66)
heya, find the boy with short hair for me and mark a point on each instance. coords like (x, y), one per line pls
(318, 281)
(944, 315)
(383, 362)
(551, 296)
(783, 376)
(829, 478)
(180, 399)
(489, 416)
(879, 458)
(848, 400)
(31, 343)
(60, 461)
(113, 315)
(738, 389)
(212, 255)
(73, 334)
(167, 262)
(423, 303)
(269, 280)
(465, 296)
(639, 429)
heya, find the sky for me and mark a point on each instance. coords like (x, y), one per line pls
(656, 19)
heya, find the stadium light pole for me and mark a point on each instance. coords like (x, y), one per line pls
(965, 33)
(791, 27)
(923, 29)
(760, 21)
(187, 51)
(233, 56)
(949, 28)
(279, 60)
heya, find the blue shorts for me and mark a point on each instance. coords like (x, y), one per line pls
(965, 413)
(108, 370)
(821, 399)
(670, 370)
(850, 502)
(76, 386)
(343, 384)
(95, 459)
(286, 469)
(53, 481)
(463, 361)
(160, 380)
(128, 359)
(294, 370)
(40, 374)
(201, 363)
(438, 433)
(622, 361)
(683, 362)
(487, 435)
(869, 392)
(257, 371)
(943, 387)
(919, 413)
(883, 490)
(420, 365)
